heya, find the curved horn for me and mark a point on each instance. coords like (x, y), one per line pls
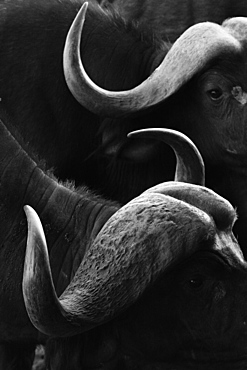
(37, 278)
(189, 162)
(188, 55)
(133, 248)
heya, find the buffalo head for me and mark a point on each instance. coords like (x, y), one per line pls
(162, 286)
(72, 219)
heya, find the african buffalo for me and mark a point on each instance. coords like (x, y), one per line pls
(170, 18)
(72, 219)
(171, 254)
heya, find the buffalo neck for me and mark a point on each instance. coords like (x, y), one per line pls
(71, 218)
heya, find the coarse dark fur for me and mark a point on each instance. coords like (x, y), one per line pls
(170, 18)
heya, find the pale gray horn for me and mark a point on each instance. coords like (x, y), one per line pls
(189, 162)
(188, 55)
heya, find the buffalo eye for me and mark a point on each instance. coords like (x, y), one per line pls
(215, 94)
(196, 282)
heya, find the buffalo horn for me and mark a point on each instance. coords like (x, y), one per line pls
(135, 246)
(189, 162)
(37, 279)
(189, 54)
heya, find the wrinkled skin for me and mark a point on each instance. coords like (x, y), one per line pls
(161, 333)
(170, 18)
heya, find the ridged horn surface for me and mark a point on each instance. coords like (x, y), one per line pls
(135, 246)
(189, 162)
(188, 55)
